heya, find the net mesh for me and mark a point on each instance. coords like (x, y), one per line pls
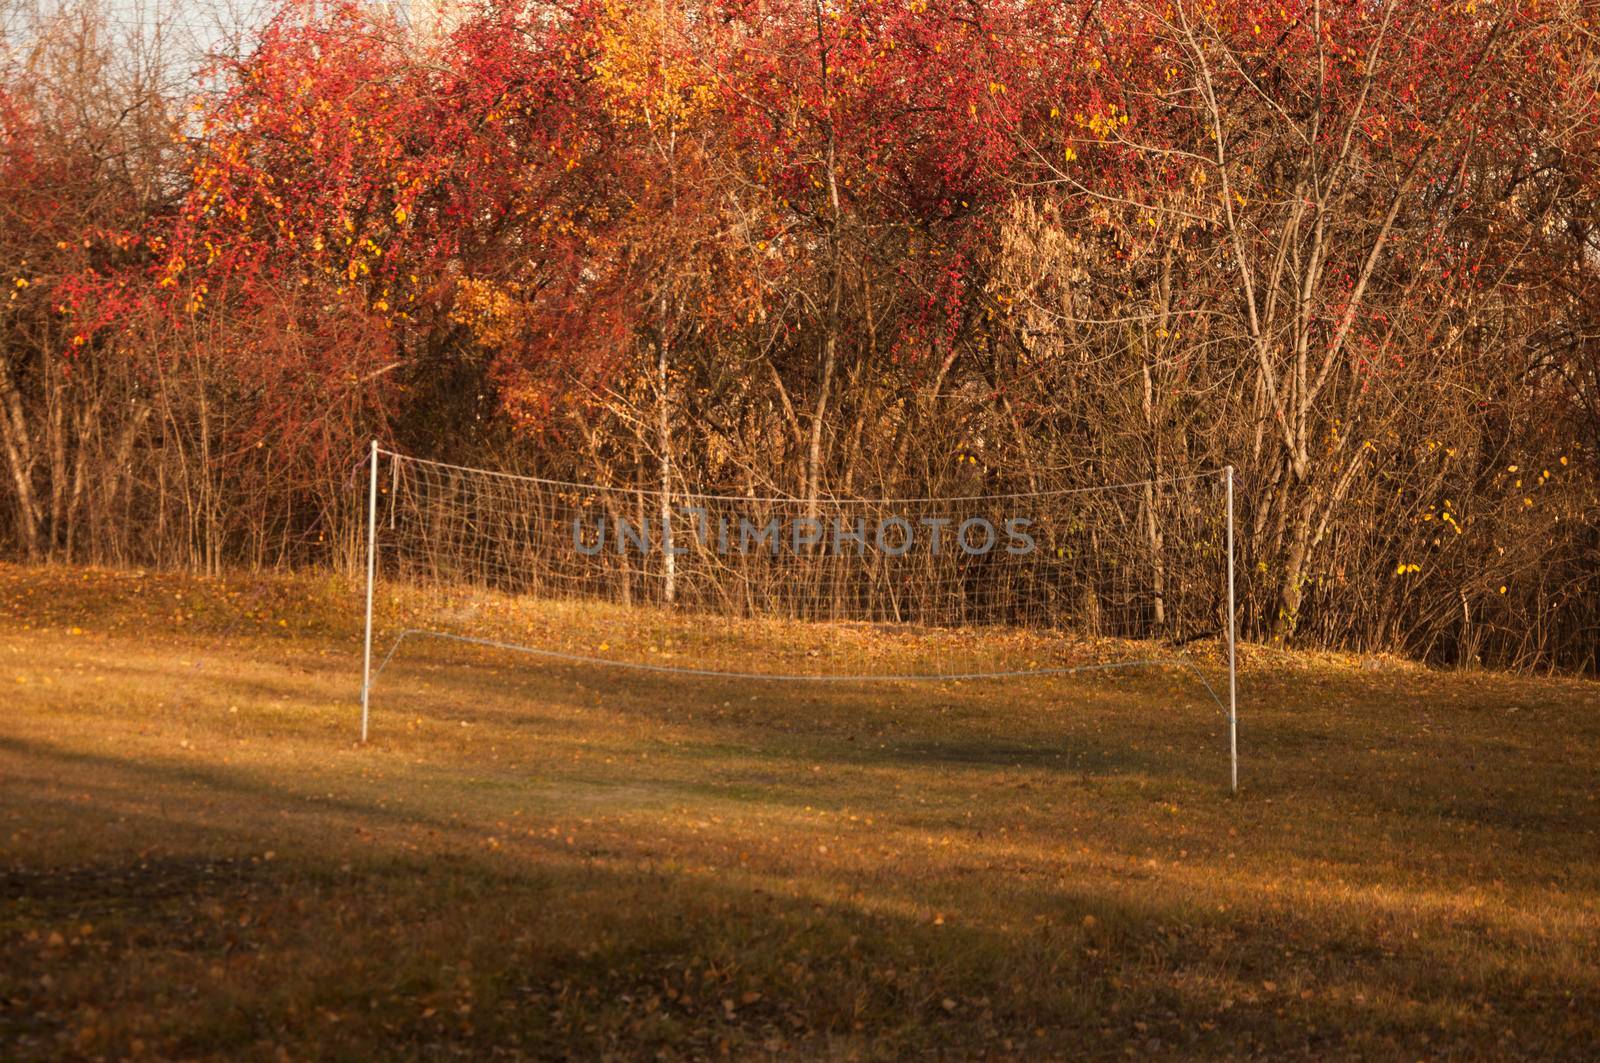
(828, 589)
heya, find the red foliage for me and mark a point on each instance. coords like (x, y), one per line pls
(507, 184)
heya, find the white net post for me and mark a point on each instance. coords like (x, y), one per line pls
(1233, 674)
(372, 566)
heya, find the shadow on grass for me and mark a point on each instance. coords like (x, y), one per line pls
(865, 723)
(629, 945)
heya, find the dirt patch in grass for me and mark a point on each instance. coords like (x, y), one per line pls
(196, 859)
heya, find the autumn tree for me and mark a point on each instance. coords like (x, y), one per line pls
(86, 137)
(814, 248)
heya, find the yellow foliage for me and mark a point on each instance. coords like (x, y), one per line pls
(489, 310)
(644, 78)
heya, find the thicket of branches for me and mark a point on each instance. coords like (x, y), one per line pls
(841, 249)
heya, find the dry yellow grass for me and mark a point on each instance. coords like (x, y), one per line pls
(547, 860)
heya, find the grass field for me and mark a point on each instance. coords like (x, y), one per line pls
(197, 859)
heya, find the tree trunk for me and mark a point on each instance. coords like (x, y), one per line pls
(19, 460)
(830, 335)
(1291, 590)
(669, 578)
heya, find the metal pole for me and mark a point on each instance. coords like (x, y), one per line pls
(372, 565)
(1233, 671)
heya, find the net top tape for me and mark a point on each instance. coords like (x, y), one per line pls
(656, 492)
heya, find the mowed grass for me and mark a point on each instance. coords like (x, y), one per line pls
(532, 858)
